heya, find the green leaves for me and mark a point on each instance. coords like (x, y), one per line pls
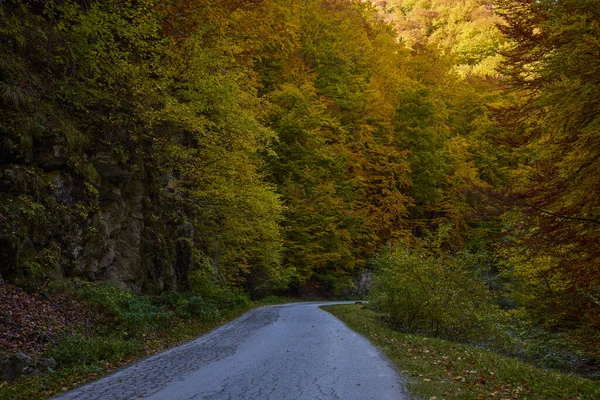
(425, 289)
(553, 62)
(282, 142)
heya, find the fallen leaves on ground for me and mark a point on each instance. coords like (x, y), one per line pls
(29, 322)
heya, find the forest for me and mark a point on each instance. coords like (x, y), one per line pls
(305, 147)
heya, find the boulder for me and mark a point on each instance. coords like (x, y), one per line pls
(20, 364)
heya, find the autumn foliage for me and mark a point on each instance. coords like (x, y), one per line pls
(279, 146)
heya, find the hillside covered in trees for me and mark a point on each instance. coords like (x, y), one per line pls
(271, 146)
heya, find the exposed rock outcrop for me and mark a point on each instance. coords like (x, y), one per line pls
(104, 227)
(20, 364)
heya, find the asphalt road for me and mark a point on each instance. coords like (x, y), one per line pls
(292, 351)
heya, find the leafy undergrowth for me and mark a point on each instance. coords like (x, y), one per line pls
(52, 383)
(28, 322)
(439, 369)
(125, 328)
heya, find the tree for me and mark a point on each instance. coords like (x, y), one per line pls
(553, 62)
(339, 166)
(428, 290)
(165, 96)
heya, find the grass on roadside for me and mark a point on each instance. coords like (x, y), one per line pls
(50, 384)
(439, 369)
(123, 352)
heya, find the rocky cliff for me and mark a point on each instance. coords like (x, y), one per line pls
(57, 223)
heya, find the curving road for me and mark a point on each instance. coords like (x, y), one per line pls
(292, 351)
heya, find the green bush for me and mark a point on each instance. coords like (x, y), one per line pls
(204, 287)
(227, 299)
(525, 339)
(202, 281)
(76, 351)
(424, 289)
(187, 305)
(232, 300)
(126, 309)
(201, 308)
(273, 299)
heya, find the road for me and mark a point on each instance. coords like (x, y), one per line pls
(292, 351)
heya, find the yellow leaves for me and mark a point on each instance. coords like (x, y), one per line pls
(466, 30)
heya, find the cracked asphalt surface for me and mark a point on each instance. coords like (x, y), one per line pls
(285, 352)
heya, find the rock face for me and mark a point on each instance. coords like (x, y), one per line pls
(361, 286)
(114, 253)
(21, 364)
(104, 226)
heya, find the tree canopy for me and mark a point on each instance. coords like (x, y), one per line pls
(273, 145)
